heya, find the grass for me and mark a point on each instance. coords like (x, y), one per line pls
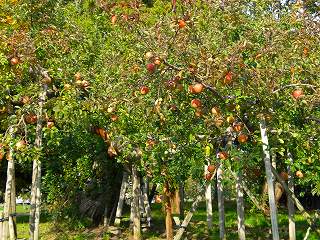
(257, 226)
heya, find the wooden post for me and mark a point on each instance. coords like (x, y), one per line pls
(267, 163)
(8, 224)
(12, 218)
(124, 185)
(291, 210)
(187, 219)
(1, 224)
(208, 195)
(136, 197)
(240, 207)
(168, 209)
(34, 219)
(221, 202)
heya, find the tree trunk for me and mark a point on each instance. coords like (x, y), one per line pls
(181, 193)
(208, 195)
(291, 210)
(36, 174)
(240, 207)
(267, 162)
(123, 189)
(136, 197)
(220, 202)
(168, 209)
(146, 202)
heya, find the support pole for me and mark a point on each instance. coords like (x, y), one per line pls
(208, 195)
(124, 185)
(271, 194)
(291, 210)
(221, 202)
(240, 207)
(34, 219)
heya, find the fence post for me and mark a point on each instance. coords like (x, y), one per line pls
(1, 225)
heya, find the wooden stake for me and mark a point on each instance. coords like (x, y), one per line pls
(187, 219)
(267, 163)
(208, 195)
(34, 219)
(240, 207)
(123, 189)
(221, 202)
(181, 193)
(1, 225)
(8, 224)
(291, 210)
(136, 196)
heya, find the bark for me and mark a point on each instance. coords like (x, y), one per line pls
(268, 166)
(181, 193)
(240, 207)
(136, 197)
(124, 185)
(146, 202)
(221, 203)
(36, 174)
(291, 210)
(168, 209)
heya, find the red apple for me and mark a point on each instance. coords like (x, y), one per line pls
(223, 155)
(228, 78)
(242, 138)
(20, 144)
(195, 103)
(50, 124)
(157, 199)
(151, 67)
(31, 118)
(238, 127)
(14, 61)
(144, 90)
(298, 93)
(114, 118)
(197, 88)
(190, 89)
(157, 61)
(208, 176)
(181, 23)
(299, 174)
(113, 19)
(211, 168)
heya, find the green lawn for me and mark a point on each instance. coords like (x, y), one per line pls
(257, 226)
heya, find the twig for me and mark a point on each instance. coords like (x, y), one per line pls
(295, 85)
